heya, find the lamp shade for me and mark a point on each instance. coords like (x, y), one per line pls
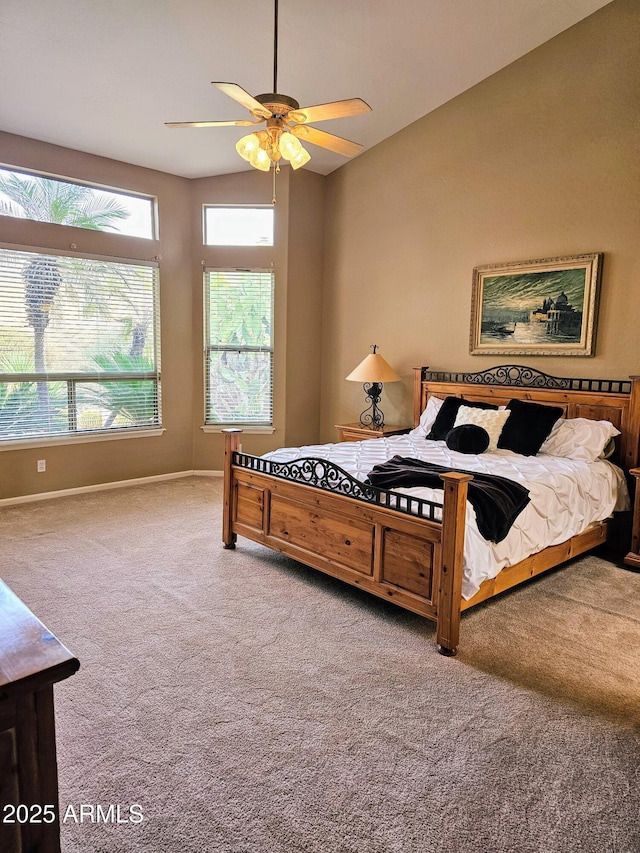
(289, 145)
(300, 159)
(373, 369)
(247, 146)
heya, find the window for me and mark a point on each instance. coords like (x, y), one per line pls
(79, 345)
(238, 226)
(45, 199)
(239, 346)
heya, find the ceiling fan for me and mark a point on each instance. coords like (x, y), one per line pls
(286, 123)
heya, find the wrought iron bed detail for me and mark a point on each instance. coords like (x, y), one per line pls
(528, 377)
(325, 475)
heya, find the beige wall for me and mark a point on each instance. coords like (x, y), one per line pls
(304, 307)
(540, 160)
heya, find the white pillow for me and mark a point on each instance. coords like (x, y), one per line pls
(580, 438)
(492, 420)
(429, 415)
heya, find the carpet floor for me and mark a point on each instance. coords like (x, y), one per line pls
(236, 701)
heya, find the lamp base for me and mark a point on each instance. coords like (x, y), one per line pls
(372, 416)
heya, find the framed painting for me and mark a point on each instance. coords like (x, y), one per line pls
(545, 307)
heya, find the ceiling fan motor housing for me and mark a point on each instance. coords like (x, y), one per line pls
(279, 105)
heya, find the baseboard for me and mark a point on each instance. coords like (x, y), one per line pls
(101, 487)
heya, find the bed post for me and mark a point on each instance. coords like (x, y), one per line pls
(632, 457)
(450, 590)
(417, 395)
(231, 445)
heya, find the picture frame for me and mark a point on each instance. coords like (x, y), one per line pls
(543, 307)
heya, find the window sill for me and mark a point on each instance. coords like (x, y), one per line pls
(247, 429)
(52, 441)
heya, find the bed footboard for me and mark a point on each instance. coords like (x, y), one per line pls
(415, 562)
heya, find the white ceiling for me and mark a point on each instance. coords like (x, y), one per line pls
(103, 76)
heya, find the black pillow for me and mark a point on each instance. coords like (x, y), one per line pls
(527, 427)
(446, 417)
(468, 438)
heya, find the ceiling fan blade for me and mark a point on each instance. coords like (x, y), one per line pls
(234, 123)
(248, 101)
(327, 140)
(335, 109)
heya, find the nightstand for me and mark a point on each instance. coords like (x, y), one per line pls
(355, 432)
(633, 557)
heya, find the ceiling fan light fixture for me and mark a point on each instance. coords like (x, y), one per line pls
(260, 160)
(289, 146)
(300, 159)
(263, 148)
(247, 146)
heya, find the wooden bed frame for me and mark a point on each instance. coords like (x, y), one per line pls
(322, 517)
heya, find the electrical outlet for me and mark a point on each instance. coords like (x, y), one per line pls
(42, 465)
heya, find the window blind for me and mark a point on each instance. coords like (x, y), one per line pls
(79, 344)
(239, 346)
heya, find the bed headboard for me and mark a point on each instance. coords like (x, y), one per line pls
(612, 400)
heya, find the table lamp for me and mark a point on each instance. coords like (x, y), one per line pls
(372, 372)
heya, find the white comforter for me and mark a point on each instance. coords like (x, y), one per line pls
(566, 495)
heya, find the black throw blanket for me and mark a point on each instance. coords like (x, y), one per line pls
(496, 500)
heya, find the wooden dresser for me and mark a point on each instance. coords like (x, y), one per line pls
(32, 660)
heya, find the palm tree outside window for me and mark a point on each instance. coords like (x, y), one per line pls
(79, 337)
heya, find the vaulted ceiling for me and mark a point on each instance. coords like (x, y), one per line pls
(103, 77)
